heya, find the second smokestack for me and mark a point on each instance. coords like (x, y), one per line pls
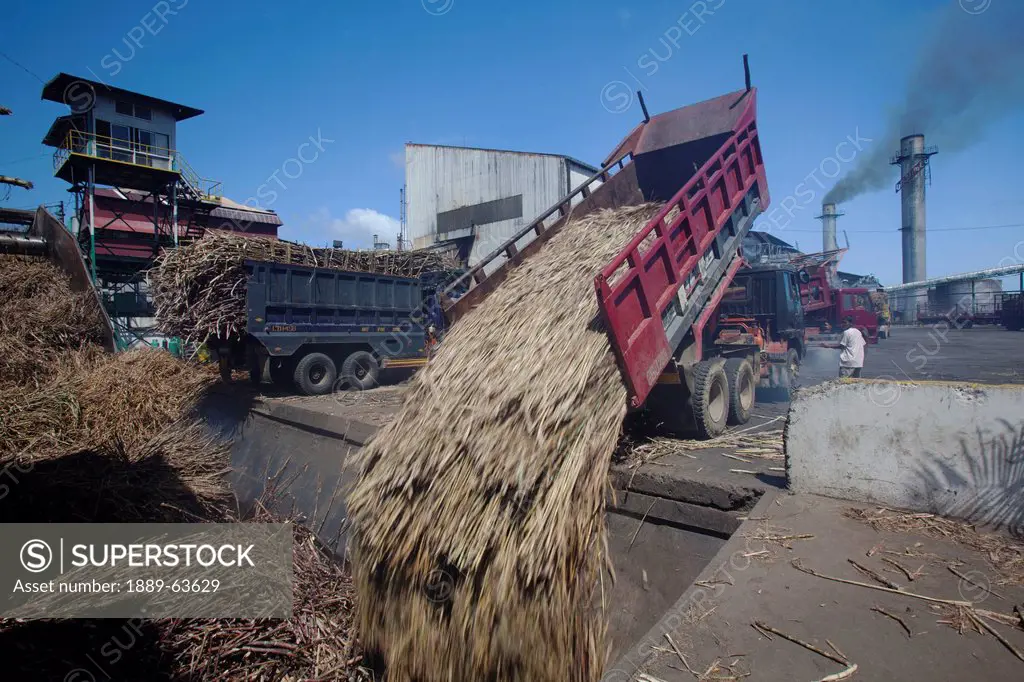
(828, 227)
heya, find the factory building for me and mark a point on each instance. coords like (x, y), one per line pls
(476, 198)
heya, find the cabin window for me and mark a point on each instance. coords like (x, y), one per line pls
(132, 145)
(133, 110)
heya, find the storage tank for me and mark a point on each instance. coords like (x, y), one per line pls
(958, 296)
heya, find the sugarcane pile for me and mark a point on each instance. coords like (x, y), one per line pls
(87, 436)
(42, 321)
(199, 289)
(478, 536)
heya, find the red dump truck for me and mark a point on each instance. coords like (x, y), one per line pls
(659, 298)
(826, 303)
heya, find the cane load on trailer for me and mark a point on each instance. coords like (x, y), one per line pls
(659, 297)
(319, 329)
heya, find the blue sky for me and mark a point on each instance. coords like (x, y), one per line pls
(366, 77)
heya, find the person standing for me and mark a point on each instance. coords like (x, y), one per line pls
(851, 350)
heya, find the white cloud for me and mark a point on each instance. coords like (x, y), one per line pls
(356, 229)
(624, 16)
(398, 159)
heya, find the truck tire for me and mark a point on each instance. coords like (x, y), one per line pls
(360, 370)
(710, 398)
(740, 376)
(315, 374)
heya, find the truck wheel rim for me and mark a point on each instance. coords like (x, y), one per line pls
(746, 389)
(316, 373)
(716, 401)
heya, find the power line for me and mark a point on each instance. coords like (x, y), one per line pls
(895, 230)
(21, 66)
(23, 159)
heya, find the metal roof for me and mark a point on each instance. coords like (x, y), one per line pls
(56, 90)
(246, 216)
(585, 166)
(58, 131)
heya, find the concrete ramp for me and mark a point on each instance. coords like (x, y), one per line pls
(954, 449)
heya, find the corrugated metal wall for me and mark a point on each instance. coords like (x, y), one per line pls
(440, 179)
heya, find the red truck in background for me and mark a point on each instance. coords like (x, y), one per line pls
(826, 303)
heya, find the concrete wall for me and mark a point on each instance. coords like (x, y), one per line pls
(295, 460)
(948, 448)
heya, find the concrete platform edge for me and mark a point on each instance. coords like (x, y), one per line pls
(350, 430)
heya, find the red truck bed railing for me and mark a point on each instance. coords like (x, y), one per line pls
(654, 290)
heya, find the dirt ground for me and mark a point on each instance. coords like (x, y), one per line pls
(376, 406)
(888, 635)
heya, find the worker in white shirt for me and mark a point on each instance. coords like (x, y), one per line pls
(851, 350)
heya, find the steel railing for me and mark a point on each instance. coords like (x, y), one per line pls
(135, 153)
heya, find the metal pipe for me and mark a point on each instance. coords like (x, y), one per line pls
(962, 277)
(746, 71)
(26, 246)
(643, 105)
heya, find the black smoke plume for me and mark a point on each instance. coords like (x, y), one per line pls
(968, 74)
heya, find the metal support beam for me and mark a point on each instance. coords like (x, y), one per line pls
(962, 277)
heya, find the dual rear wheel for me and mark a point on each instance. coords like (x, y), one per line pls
(317, 373)
(723, 394)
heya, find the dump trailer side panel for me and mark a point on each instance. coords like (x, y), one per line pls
(291, 306)
(654, 290)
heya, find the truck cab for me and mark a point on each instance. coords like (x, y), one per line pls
(769, 294)
(857, 303)
(763, 302)
(826, 303)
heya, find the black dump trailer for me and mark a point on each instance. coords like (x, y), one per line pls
(323, 330)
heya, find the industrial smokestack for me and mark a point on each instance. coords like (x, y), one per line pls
(828, 227)
(914, 175)
(828, 217)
